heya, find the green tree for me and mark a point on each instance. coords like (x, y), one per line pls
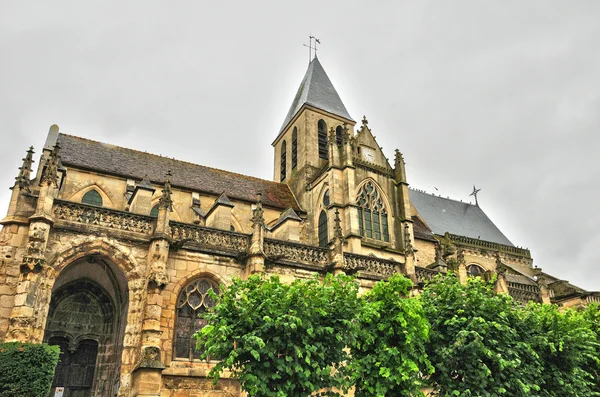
(283, 340)
(476, 341)
(567, 346)
(388, 356)
(592, 316)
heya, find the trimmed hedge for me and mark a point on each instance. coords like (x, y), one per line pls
(27, 369)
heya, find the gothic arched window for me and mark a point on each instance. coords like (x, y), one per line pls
(154, 211)
(283, 160)
(474, 270)
(323, 235)
(372, 215)
(338, 135)
(92, 197)
(193, 300)
(294, 148)
(322, 127)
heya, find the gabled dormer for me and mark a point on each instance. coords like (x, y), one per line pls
(367, 150)
(301, 144)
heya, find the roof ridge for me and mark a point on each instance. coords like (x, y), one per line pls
(174, 159)
(444, 198)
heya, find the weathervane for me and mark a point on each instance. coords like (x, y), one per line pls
(310, 46)
(475, 191)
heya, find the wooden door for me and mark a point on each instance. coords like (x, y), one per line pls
(75, 371)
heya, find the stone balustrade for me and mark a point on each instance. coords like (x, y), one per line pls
(474, 242)
(286, 251)
(104, 217)
(370, 266)
(424, 275)
(209, 237)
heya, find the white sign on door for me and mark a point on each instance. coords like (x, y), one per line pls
(59, 392)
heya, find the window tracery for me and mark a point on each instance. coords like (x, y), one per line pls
(193, 300)
(372, 214)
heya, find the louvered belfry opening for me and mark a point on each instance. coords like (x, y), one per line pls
(294, 148)
(283, 160)
(322, 131)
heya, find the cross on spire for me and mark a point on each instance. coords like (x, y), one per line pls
(474, 194)
(316, 41)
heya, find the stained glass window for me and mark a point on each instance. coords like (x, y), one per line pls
(323, 235)
(193, 301)
(372, 214)
(92, 197)
(475, 270)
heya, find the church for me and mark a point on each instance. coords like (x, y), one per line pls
(110, 252)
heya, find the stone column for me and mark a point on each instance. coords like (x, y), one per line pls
(147, 375)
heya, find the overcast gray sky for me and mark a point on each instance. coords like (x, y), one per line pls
(503, 95)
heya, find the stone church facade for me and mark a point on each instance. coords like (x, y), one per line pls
(109, 252)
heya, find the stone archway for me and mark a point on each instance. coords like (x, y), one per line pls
(87, 318)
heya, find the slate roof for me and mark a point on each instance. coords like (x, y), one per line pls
(102, 157)
(421, 231)
(316, 90)
(445, 215)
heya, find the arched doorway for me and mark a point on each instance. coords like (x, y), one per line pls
(87, 318)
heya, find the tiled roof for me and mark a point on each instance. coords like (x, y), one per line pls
(421, 230)
(133, 164)
(463, 219)
(316, 90)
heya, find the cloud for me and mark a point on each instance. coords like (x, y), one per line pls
(501, 94)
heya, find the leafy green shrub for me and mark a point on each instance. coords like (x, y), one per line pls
(283, 339)
(27, 369)
(478, 344)
(388, 354)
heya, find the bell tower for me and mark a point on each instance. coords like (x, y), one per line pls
(301, 148)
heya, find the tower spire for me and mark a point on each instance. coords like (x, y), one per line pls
(24, 178)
